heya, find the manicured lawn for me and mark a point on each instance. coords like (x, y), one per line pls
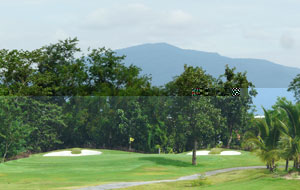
(259, 179)
(38, 172)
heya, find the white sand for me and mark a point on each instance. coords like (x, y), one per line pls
(223, 153)
(199, 153)
(230, 153)
(68, 153)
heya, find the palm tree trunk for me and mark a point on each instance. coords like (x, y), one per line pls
(194, 159)
(286, 164)
(272, 165)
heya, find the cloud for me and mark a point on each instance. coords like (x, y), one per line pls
(287, 41)
(136, 16)
(132, 15)
(178, 17)
(256, 34)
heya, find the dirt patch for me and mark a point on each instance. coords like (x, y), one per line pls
(19, 156)
(294, 175)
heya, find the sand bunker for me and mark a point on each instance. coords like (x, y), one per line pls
(230, 153)
(223, 153)
(199, 153)
(68, 153)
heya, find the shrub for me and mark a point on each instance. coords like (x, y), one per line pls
(219, 145)
(200, 182)
(76, 151)
(216, 151)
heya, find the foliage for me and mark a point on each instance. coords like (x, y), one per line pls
(295, 87)
(266, 142)
(201, 181)
(76, 99)
(12, 131)
(76, 151)
(216, 151)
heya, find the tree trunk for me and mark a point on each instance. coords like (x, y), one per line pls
(272, 165)
(230, 138)
(286, 164)
(5, 153)
(296, 163)
(110, 137)
(268, 166)
(194, 159)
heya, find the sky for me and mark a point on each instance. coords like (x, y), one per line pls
(266, 29)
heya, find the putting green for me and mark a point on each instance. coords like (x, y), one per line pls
(39, 172)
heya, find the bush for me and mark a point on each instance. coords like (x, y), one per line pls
(200, 182)
(76, 151)
(219, 145)
(216, 151)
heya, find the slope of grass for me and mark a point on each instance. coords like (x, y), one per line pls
(236, 180)
(38, 172)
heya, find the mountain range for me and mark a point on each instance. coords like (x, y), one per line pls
(164, 61)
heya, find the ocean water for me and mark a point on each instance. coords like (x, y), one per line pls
(267, 97)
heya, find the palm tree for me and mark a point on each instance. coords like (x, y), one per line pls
(292, 131)
(286, 149)
(266, 142)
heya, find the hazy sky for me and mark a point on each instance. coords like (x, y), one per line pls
(268, 29)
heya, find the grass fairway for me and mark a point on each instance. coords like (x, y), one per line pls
(237, 180)
(38, 172)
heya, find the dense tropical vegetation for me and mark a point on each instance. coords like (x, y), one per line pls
(58, 97)
(278, 135)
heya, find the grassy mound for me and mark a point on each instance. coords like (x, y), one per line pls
(76, 151)
(216, 151)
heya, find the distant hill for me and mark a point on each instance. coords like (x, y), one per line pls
(164, 61)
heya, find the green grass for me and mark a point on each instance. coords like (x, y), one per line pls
(38, 172)
(216, 151)
(236, 180)
(76, 151)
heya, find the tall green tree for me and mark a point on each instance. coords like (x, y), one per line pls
(201, 121)
(108, 76)
(295, 87)
(17, 72)
(13, 132)
(196, 115)
(234, 109)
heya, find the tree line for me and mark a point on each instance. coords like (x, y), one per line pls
(58, 97)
